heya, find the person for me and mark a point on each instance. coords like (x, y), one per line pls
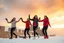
(28, 23)
(46, 23)
(35, 24)
(13, 26)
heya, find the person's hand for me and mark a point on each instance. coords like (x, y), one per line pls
(29, 14)
(20, 18)
(6, 18)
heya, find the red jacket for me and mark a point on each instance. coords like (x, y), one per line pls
(28, 23)
(45, 22)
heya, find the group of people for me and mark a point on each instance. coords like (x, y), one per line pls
(35, 20)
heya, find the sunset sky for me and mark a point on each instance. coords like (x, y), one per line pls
(54, 9)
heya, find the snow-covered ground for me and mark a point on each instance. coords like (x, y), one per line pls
(54, 39)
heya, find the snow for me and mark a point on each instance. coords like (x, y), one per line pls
(54, 39)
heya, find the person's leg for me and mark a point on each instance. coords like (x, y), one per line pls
(11, 33)
(35, 33)
(25, 33)
(43, 31)
(46, 31)
(34, 30)
(28, 32)
(14, 33)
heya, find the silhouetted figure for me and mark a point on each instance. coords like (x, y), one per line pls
(27, 28)
(46, 23)
(35, 24)
(13, 26)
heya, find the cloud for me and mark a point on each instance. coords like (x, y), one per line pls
(47, 3)
(2, 11)
(30, 6)
(17, 8)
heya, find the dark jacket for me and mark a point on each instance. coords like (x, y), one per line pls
(35, 21)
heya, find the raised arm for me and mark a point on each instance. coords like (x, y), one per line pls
(30, 18)
(40, 20)
(7, 20)
(18, 20)
(23, 21)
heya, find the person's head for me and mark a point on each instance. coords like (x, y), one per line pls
(14, 19)
(45, 17)
(28, 19)
(35, 16)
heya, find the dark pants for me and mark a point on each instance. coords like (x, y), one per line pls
(26, 30)
(44, 30)
(34, 29)
(12, 32)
